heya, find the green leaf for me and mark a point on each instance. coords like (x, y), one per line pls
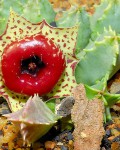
(111, 98)
(66, 123)
(41, 9)
(4, 11)
(102, 84)
(99, 11)
(33, 11)
(51, 104)
(69, 17)
(108, 98)
(99, 59)
(77, 16)
(91, 92)
(107, 14)
(117, 66)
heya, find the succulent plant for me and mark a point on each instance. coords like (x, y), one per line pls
(97, 49)
(92, 69)
(97, 62)
(99, 56)
(35, 119)
(98, 59)
(94, 36)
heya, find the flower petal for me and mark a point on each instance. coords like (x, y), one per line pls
(66, 83)
(14, 100)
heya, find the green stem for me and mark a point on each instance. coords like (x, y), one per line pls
(108, 114)
(104, 115)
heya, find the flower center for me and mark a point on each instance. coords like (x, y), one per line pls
(31, 65)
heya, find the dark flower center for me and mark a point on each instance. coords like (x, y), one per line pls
(31, 65)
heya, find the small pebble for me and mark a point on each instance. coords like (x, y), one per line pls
(37, 145)
(57, 138)
(49, 145)
(70, 142)
(70, 136)
(108, 132)
(116, 139)
(106, 143)
(118, 129)
(103, 148)
(53, 24)
(115, 132)
(64, 148)
(1, 132)
(111, 138)
(57, 148)
(115, 146)
(59, 143)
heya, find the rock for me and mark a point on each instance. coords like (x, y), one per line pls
(49, 145)
(88, 120)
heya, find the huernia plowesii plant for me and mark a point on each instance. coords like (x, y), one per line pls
(97, 49)
(34, 56)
